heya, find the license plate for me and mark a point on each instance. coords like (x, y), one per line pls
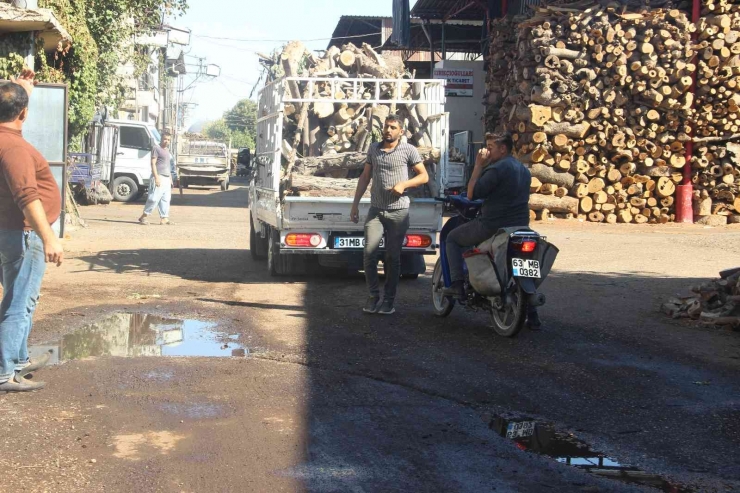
(525, 268)
(353, 242)
(520, 430)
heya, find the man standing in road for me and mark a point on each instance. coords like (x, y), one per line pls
(160, 184)
(388, 164)
(30, 202)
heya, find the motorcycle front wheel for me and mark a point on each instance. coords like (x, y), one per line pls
(510, 319)
(442, 304)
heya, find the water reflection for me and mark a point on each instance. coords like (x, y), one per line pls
(138, 335)
(543, 439)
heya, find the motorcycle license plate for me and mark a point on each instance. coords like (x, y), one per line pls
(353, 242)
(520, 430)
(525, 268)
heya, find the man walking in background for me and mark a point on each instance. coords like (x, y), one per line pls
(388, 164)
(30, 202)
(160, 184)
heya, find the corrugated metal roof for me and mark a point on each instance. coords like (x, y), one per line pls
(360, 29)
(439, 9)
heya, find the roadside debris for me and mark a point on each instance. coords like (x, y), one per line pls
(716, 302)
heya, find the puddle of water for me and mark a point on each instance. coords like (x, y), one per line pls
(138, 334)
(543, 439)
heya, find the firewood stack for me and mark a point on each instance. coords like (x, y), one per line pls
(502, 48)
(325, 145)
(718, 76)
(716, 184)
(714, 303)
(598, 103)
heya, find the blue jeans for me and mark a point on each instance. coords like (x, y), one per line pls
(159, 196)
(23, 266)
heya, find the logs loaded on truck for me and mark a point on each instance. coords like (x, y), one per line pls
(318, 116)
(338, 111)
(600, 103)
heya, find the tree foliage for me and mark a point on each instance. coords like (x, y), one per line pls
(102, 32)
(239, 124)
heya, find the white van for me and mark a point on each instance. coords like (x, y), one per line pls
(133, 165)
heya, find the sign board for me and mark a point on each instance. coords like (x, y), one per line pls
(459, 81)
(46, 130)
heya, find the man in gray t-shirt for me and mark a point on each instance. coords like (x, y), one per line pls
(160, 184)
(388, 164)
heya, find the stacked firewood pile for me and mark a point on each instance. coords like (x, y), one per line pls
(716, 184)
(501, 51)
(714, 303)
(598, 102)
(325, 144)
(718, 76)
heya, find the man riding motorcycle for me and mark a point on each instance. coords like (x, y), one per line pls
(503, 183)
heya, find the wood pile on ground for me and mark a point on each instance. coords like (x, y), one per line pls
(713, 303)
(717, 184)
(598, 102)
(325, 144)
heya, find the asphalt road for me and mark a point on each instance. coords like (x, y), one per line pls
(332, 400)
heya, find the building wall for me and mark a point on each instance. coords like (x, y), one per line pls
(467, 113)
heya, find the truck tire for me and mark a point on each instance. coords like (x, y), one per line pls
(257, 244)
(276, 263)
(184, 183)
(125, 189)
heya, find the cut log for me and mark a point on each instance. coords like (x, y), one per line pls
(553, 203)
(547, 175)
(574, 131)
(314, 186)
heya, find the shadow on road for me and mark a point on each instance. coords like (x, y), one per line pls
(394, 402)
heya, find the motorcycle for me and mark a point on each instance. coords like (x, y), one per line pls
(502, 274)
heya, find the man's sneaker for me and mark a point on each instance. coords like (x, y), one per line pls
(386, 308)
(456, 290)
(533, 319)
(372, 305)
(34, 364)
(19, 384)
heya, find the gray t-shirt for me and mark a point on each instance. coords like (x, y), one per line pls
(163, 157)
(389, 169)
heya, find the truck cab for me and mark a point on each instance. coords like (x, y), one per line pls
(133, 164)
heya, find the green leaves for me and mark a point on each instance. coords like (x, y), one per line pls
(238, 124)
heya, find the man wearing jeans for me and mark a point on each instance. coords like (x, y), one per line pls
(160, 184)
(388, 164)
(30, 203)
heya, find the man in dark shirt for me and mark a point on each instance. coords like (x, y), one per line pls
(30, 203)
(503, 183)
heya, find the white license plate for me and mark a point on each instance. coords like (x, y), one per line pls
(520, 430)
(353, 242)
(525, 268)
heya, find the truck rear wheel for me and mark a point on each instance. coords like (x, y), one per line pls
(257, 244)
(280, 264)
(125, 189)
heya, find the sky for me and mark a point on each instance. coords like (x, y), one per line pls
(264, 24)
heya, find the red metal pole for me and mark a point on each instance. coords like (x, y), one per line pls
(685, 191)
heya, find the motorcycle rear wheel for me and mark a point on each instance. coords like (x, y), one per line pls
(443, 305)
(509, 321)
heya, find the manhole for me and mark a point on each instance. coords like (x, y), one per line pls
(544, 439)
(138, 334)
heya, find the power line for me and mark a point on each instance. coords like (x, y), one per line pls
(246, 40)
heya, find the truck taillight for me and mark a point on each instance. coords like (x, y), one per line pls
(303, 240)
(417, 241)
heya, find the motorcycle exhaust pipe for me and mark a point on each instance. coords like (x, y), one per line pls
(537, 299)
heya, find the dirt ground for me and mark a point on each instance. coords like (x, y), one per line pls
(329, 400)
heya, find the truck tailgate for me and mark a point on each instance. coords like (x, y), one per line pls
(332, 214)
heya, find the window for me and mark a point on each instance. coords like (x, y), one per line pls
(135, 138)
